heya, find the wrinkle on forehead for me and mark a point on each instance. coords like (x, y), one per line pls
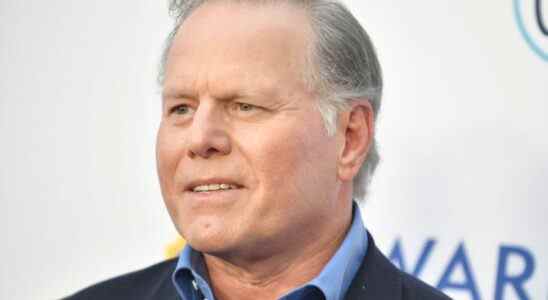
(235, 87)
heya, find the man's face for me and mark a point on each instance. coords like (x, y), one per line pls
(244, 160)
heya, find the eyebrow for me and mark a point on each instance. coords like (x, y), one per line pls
(177, 93)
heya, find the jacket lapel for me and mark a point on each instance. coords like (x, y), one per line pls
(377, 278)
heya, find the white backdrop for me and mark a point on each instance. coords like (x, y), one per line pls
(463, 135)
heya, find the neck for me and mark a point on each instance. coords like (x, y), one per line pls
(274, 276)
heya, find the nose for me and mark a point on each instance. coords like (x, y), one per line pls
(208, 137)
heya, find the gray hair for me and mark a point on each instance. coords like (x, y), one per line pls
(344, 62)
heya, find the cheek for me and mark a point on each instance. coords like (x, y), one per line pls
(277, 156)
(287, 159)
(169, 150)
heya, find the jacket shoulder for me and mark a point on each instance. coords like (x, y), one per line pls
(415, 289)
(153, 282)
(378, 278)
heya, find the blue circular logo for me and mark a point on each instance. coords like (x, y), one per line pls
(532, 24)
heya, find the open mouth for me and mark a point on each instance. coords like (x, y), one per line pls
(219, 184)
(214, 187)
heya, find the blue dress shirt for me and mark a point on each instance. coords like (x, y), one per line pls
(190, 276)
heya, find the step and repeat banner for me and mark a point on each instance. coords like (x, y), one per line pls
(460, 197)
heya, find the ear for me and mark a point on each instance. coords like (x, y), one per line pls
(357, 129)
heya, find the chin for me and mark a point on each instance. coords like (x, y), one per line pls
(206, 237)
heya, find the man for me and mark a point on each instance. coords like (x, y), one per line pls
(267, 135)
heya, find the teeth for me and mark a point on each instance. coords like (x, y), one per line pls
(213, 187)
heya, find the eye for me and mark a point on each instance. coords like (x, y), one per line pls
(246, 106)
(182, 109)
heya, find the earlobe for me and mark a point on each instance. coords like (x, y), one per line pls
(357, 134)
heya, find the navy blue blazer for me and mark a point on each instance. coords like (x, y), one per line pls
(377, 279)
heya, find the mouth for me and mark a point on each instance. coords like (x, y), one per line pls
(212, 185)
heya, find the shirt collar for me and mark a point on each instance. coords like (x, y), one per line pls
(345, 262)
(191, 279)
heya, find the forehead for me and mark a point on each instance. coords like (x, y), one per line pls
(240, 44)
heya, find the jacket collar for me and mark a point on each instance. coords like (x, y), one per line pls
(377, 277)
